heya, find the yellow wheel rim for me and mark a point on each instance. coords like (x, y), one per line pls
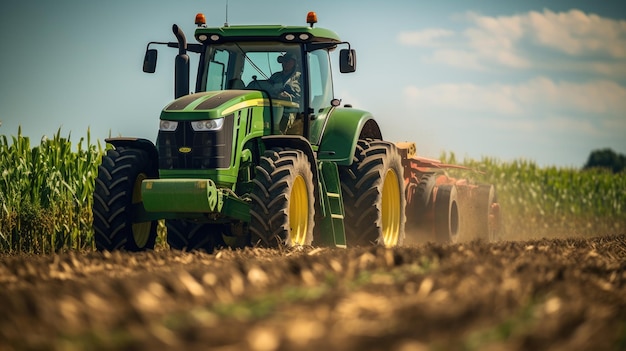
(299, 212)
(141, 231)
(391, 209)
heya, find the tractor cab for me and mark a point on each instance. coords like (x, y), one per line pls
(290, 65)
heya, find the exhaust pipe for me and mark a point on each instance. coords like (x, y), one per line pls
(181, 64)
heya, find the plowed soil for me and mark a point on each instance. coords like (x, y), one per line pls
(559, 294)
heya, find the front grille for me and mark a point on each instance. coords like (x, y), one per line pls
(188, 149)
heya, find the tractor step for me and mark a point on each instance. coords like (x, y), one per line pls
(332, 226)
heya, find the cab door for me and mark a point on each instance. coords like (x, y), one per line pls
(320, 91)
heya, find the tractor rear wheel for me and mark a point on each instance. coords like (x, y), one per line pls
(282, 200)
(483, 213)
(117, 196)
(421, 199)
(374, 198)
(447, 223)
(188, 235)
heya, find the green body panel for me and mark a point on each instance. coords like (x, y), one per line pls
(221, 103)
(317, 126)
(343, 129)
(221, 177)
(224, 103)
(179, 196)
(266, 31)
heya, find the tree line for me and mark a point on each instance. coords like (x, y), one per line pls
(606, 158)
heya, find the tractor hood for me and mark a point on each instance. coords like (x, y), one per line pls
(211, 105)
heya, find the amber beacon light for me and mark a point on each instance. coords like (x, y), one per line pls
(200, 20)
(311, 18)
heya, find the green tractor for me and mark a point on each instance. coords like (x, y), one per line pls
(250, 160)
(262, 154)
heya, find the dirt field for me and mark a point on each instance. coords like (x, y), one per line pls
(567, 294)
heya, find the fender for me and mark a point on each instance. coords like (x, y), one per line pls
(142, 144)
(344, 127)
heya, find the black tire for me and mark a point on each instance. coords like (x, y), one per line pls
(482, 213)
(422, 199)
(447, 223)
(117, 191)
(188, 235)
(369, 217)
(282, 200)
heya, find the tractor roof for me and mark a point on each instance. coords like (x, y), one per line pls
(295, 34)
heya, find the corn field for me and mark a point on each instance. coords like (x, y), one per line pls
(538, 202)
(46, 193)
(46, 196)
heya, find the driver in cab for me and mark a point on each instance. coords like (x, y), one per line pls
(286, 83)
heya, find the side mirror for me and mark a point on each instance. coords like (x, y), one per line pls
(347, 60)
(150, 60)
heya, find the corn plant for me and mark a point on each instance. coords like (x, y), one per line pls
(46, 193)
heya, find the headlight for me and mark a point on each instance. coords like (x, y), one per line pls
(206, 125)
(168, 126)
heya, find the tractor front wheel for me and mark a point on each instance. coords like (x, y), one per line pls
(188, 235)
(282, 200)
(117, 197)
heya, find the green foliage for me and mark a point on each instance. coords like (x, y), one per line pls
(46, 193)
(541, 202)
(606, 158)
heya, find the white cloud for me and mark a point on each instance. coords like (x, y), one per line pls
(511, 41)
(466, 97)
(597, 97)
(578, 33)
(495, 39)
(427, 37)
(588, 108)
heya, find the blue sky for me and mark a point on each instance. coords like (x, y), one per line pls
(544, 81)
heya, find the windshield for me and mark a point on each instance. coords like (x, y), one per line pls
(250, 66)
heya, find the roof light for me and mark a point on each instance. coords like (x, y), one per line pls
(311, 18)
(200, 20)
